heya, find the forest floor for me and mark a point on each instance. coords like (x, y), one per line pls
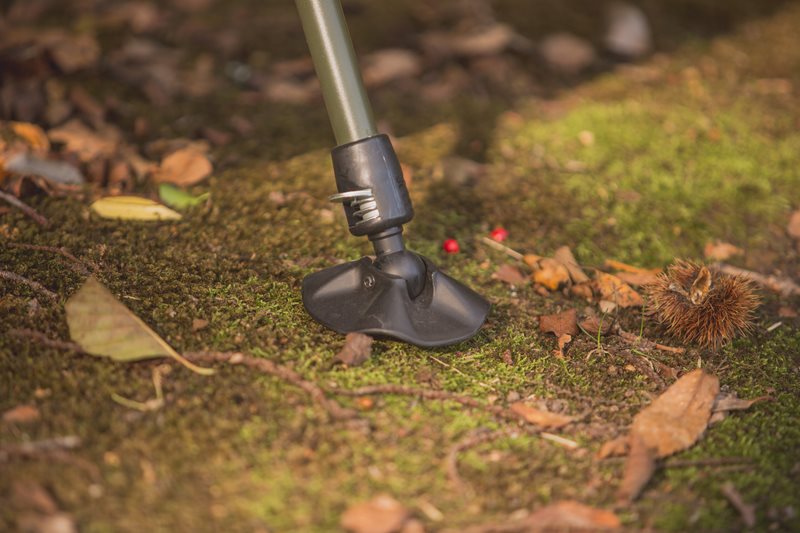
(695, 143)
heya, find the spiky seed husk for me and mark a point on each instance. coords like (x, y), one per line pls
(724, 311)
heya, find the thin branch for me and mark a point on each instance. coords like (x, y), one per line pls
(783, 286)
(646, 343)
(25, 208)
(502, 248)
(82, 265)
(431, 394)
(36, 286)
(266, 366)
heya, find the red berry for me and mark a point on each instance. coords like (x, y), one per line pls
(451, 246)
(499, 234)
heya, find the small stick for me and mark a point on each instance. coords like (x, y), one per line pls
(30, 283)
(646, 343)
(28, 210)
(502, 248)
(475, 438)
(317, 394)
(82, 265)
(783, 286)
(746, 511)
(430, 394)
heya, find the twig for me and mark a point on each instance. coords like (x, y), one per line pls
(44, 340)
(475, 438)
(28, 210)
(30, 283)
(502, 248)
(81, 265)
(317, 394)
(431, 394)
(646, 343)
(746, 511)
(783, 286)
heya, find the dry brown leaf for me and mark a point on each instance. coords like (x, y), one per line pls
(613, 289)
(21, 414)
(550, 273)
(565, 257)
(382, 514)
(356, 350)
(383, 66)
(638, 278)
(613, 448)
(677, 418)
(639, 468)
(720, 251)
(199, 323)
(82, 141)
(793, 227)
(582, 290)
(561, 343)
(570, 515)
(184, 167)
(564, 323)
(611, 264)
(73, 53)
(729, 402)
(33, 135)
(539, 417)
(509, 274)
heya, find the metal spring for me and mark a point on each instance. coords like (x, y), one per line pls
(366, 208)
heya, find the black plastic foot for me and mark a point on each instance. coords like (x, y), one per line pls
(360, 297)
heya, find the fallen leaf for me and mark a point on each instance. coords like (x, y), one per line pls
(638, 278)
(33, 135)
(184, 167)
(133, 208)
(382, 514)
(572, 516)
(561, 343)
(21, 414)
(510, 274)
(541, 418)
(356, 350)
(614, 448)
(72, 53)
(594, 324)
(103, 326)
(639, 468)
(550, 273)
(619, 266)
(566, 53)
(720, 251)
(673, 422)
(178, 198)
(82, 141)
(793, 227)
(729, 402)
(565, 257)
(383, 66)
(199, 323)
(582, 290)
(613, 289)
(559, 324)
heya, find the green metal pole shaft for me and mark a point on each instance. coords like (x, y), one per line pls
(337, 69)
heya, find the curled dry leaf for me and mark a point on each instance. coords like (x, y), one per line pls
(83, 142)
(720, 251)
(103, 326)
(594, 324)
(612, 289)
(565, 257)
(729, 402)
(547, 272)
(510, 274)
(184, 167)
(21, 414)
(133, 208)
(540, 417)
(381, 514)
(356, 350)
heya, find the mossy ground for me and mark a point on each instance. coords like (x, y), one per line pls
(688, 147)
